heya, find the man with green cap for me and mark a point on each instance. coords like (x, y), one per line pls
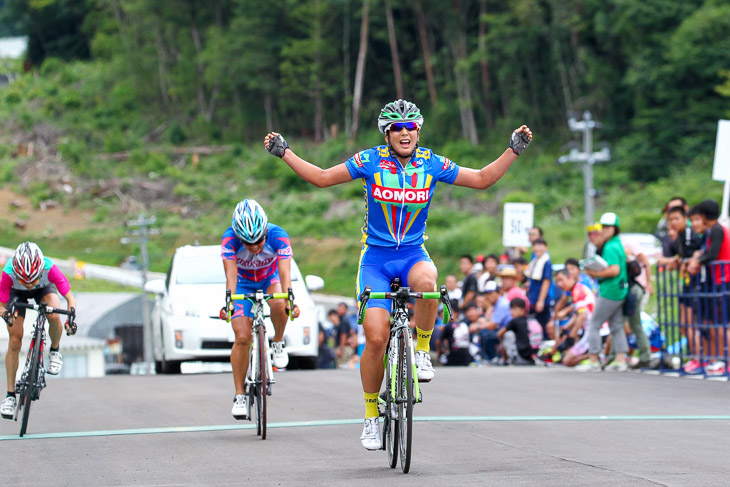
(612, 290)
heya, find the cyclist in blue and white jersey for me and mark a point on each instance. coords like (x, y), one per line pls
(398, 180)
(256, 255)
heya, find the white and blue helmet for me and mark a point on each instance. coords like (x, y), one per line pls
(249, 221)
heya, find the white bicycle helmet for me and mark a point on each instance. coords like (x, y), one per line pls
(399, 111)
(249, 221)
(28, 262)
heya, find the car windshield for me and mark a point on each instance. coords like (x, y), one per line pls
(200, 269)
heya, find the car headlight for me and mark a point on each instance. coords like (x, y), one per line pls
(178, 339)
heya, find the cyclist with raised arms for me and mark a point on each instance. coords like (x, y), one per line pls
(256, 255)
(398, 179)
(30, 275)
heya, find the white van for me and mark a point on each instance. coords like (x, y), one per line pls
(185, 320)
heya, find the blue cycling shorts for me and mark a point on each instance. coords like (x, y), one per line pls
(380, 265)
(244, 286)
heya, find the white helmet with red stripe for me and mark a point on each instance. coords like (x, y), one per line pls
(28, 262)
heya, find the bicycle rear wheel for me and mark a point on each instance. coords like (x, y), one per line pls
(26, 398)
(261, 383)
(405, 402)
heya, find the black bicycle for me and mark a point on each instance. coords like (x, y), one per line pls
(33, 379)
(401, 391)
(260, 374)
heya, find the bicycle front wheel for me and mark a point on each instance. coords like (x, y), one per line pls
(390, 423)
(26, 398)
(405, 402)
(261, 383)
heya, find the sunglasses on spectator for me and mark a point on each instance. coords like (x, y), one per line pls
(398, 126)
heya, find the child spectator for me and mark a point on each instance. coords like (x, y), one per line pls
(496, 316)
(520, 264)
(515, 337)
(573, 339)
(540, 273)
(639, 286)
(326, 358)
(452, 286)
(716, 247)
(469, 284)
(456, 339)
(491, 264)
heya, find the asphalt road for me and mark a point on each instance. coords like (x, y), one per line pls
(477, 426)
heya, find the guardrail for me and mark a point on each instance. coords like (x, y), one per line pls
(693, 312)
(71, 268)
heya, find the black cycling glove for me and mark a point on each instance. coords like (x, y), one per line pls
(519, 141)
(277, 146)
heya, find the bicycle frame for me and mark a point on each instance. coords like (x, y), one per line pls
(33, 378)
(402, 388)
(39, 333)
(258, 382)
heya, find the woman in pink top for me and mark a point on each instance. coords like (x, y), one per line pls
(30, 275)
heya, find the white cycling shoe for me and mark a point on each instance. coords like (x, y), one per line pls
(55, 363)
(280, 356)
(424, 368)
(370, 437)
(7, 407)
(240, 406)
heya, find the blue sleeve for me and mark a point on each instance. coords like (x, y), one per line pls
(360, 165)
(279, 241)
(445, 170)
(501, 316)
(547, 271)
(230, 245)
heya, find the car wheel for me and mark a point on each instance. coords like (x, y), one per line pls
(308, 363)
(170, 366)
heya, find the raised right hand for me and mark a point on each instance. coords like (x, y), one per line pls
(275, 144)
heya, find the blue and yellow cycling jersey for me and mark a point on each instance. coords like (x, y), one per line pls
(396, 197)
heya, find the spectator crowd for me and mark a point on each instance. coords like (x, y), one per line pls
(521, 308)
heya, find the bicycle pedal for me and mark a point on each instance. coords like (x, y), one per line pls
(268, 390)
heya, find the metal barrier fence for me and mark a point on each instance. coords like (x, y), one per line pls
(693, 313)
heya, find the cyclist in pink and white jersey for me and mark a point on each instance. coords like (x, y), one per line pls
(398, 180)
(30, 275)
(256, 255)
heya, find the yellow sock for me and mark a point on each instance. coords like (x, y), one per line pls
(423, 342)
(371, 404)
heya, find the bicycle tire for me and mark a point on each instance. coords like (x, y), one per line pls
(405, 405)
(390, 424)
(27, 398)
(262, 383)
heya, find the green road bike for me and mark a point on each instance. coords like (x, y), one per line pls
(260, 374)
(401, 390)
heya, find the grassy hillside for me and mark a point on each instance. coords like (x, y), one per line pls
(57, 131)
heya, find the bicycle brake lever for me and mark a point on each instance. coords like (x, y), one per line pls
(291, 304)
(448, 310)
(364, 297)
(228, 304)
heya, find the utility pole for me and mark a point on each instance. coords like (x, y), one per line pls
(141, 236)
(587, 157)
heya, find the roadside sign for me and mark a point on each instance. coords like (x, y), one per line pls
(518, 219)
(721, 168)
